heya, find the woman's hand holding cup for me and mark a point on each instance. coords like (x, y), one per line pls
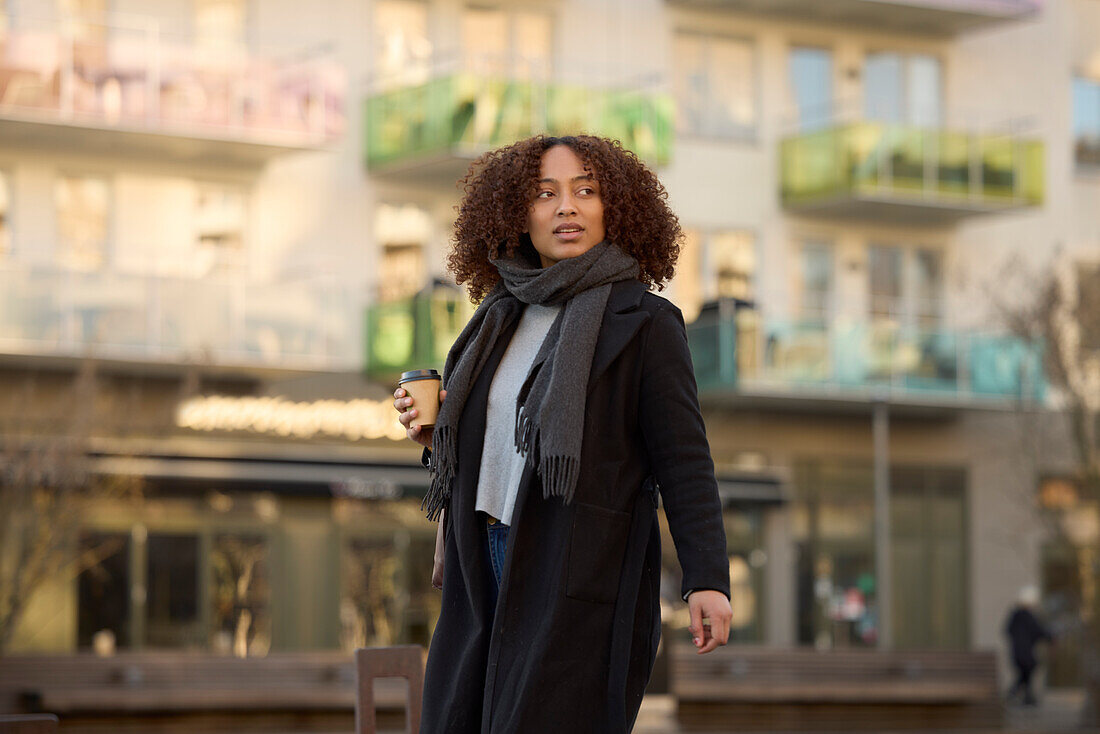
(405, 405)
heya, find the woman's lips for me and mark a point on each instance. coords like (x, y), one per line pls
(569, 235)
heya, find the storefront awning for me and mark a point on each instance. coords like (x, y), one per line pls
(285, 477)
(754, 490)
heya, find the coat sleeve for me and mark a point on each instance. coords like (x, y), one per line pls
(679, 455)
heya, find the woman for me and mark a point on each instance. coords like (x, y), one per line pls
(569, 400)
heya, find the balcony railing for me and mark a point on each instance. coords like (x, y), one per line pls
(295, 325)
(941, 17)
(134, 76)
(414, 333)
(877, 169)
(743, 353)
(462, 114)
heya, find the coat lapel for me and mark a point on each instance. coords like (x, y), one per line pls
(621, 321)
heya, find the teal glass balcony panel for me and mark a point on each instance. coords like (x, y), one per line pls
(294, 325)
(465, 114)
(414, 333)
(859, 359)
(872, 169)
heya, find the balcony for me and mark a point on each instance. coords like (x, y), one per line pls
(289, 325)
(739, 356)
(134, 90)
(891, 172)
(930, 17)
(414, 333)
(432, 130)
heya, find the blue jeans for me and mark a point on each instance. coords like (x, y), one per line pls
(497, 535)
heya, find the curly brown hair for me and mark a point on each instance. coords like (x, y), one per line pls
(501, 184)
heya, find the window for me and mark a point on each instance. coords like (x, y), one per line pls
(1067, 559)
(686, 288)
(733, 262)
(5, 215)
(817, 282)
(241, 594)
(1088, 304)
(745, 547)
(903, 88)
(172, 591)
(103, 589)
(512, 43)
(385, 568)
(906, 286)
(402, 232)
(81, 203)
(714, 86)
(885, 286)
(714, 264)
(834, 513)
(928, 287)
(220, 213)
(834, 528)
(811, 83)
(928, 520)
(221, 28)
(1086, 121)
(401, 273)
(86, 19)
(402, 51)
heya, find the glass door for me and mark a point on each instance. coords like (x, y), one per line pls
(903, 89)
(811, 80)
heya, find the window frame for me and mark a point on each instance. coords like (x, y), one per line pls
(748, 134)
(108, 244)
(1088, 164)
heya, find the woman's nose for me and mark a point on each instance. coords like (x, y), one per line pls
(566, 206)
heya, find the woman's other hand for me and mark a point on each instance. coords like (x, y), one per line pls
(403, 402)
(710, 619)
(437, 564)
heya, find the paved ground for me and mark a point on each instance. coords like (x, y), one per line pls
(1057, 714)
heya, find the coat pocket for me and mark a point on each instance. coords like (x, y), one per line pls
(596, 550)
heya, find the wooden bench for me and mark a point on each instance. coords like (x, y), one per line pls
(28, 724)
(169, 691)
(739, 688)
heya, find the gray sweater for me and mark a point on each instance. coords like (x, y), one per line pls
(501, 463)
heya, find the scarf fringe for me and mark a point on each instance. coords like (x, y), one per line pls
(559, 476)
(444, 455)
(525, 432)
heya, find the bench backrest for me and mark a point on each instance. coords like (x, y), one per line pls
(736, 665)
(28, 724)
(22, 675)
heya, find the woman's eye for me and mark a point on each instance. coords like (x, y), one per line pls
(544, 194)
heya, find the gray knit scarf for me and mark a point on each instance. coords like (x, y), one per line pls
(550, 406)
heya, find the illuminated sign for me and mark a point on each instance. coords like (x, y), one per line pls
(350, 419)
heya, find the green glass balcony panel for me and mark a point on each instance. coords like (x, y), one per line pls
(414, 333)
(390, 331)
(911, 164)
(464, 114)
(835, 357)
(815, 165)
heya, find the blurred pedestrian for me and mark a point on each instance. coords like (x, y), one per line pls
(568, 400)
(1025, 631)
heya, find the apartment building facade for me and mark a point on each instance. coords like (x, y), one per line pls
(241, 212)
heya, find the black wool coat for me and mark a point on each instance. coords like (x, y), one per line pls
(572, 641)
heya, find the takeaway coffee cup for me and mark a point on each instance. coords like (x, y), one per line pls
(423, 387)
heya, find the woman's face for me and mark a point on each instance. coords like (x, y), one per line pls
(566, 217)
